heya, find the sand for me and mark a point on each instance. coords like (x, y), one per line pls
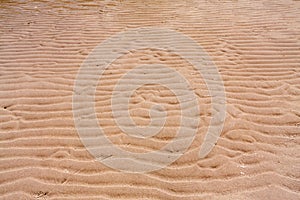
(254, 44)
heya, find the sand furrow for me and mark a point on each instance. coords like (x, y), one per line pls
(255, 47)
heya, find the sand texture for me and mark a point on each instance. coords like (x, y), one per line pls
(254, 44)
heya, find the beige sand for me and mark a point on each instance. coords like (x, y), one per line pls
(256, 47)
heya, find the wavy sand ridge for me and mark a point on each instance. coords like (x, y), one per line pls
(256, 47)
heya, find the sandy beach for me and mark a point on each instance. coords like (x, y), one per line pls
(255, 46)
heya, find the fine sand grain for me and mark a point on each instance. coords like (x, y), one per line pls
(254, 44)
